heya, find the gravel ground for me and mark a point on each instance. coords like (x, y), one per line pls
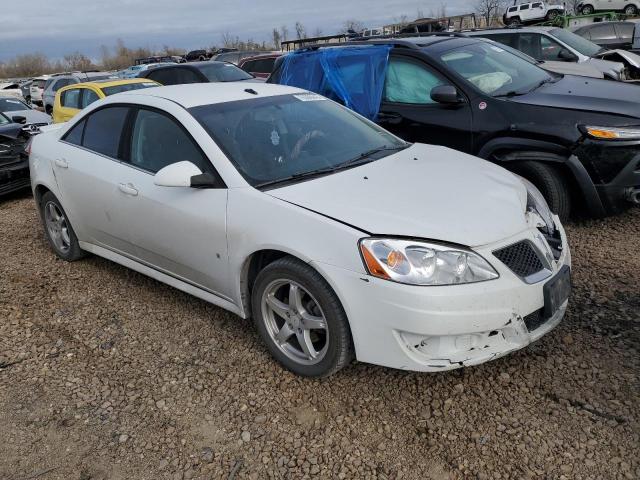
(106, 374)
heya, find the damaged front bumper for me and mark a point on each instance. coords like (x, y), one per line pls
(431, 329)
(614, 169)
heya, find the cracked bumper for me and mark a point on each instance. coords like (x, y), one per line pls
(442, 328)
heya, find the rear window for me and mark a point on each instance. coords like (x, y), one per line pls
(127, 87)
(38, 83)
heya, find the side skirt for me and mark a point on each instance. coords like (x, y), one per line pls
(162, 277)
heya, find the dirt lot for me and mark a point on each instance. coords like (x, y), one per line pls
(105, 373)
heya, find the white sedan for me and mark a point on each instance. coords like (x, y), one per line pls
(339, 239)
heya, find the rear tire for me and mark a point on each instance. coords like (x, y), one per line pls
(552, 184)
(514, 21)
(293, 304)
(58, 229)
(631, 10)
(552, 15)
(587, 10)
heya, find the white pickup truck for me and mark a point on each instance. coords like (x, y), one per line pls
(532, 12)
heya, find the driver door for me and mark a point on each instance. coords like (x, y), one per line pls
(408, 111)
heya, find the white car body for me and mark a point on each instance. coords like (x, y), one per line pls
(201, 241)
(37, 89)
(591, 6)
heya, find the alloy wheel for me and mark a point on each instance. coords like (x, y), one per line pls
(295, 322)
(58, 227)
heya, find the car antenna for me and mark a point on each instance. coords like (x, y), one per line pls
(251, 91)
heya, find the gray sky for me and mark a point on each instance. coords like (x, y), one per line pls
(57, 27)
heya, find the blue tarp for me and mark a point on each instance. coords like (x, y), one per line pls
(353, 76)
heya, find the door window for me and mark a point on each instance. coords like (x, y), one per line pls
(408, 81)
(524, 7)
(625, 30)
(70, 98)
(158, 141)
(104, 129)
(88, 97)
(603, 32)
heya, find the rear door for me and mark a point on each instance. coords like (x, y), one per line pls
(408, 110)
(180, 231)
(87, 169)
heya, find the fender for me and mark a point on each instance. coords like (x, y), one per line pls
(519, 149)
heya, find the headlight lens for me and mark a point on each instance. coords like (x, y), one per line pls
(613, 133)
(421, 263)
(538, 205)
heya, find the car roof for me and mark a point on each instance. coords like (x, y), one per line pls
(108, 82)
(196, 94)
(476, 33)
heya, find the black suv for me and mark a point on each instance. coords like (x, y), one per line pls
(577, 139)
(196, 72)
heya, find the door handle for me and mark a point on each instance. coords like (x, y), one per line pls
(128, 189)
(61, 162)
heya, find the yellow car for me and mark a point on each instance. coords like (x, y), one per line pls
(70, 100)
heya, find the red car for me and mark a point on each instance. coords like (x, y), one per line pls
(259, 66)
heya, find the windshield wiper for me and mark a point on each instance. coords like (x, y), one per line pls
(361, 159)
(510, 94)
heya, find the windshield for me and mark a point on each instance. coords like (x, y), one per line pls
(272, 139)
(127, 87)
(578, 43)
(11, 105)
(223, 72)
(493, 70)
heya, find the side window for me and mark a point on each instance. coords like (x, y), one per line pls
(186, 75)
(524, 7)
(513, 9)
(603, 32)
(264, 65)
(550, 50)
(408, 81)
(158, 141)
(75, 134)
(625, 30)
(536, 5)
(249, 66)
(88, 97)
(63, 82)
(104, 129)
(165, 76)
(70, 98)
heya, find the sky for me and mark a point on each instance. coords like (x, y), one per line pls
(58, 27)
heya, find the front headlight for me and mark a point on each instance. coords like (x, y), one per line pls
(422, 263)
(536, 204)
(613, 133)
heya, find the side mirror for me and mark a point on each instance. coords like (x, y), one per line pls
(19, 119)
(566, 56)
(178, 174)
(447, 94)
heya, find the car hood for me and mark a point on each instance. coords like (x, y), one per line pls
(425, 192)
(606, 66)
(32, 116)
(592, 95)
(572, 68)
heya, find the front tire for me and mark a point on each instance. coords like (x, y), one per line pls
(631, 10)
(552, 15)
(301, 319)
(552, 184)
(58, 229)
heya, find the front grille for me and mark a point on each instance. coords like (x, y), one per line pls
(534, 320)
(521, 258)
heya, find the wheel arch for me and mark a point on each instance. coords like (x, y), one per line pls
(506, 150)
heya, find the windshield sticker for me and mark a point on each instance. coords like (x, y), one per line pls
(275, 138)
(16, 102)
(310, 97)
(482, 106)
